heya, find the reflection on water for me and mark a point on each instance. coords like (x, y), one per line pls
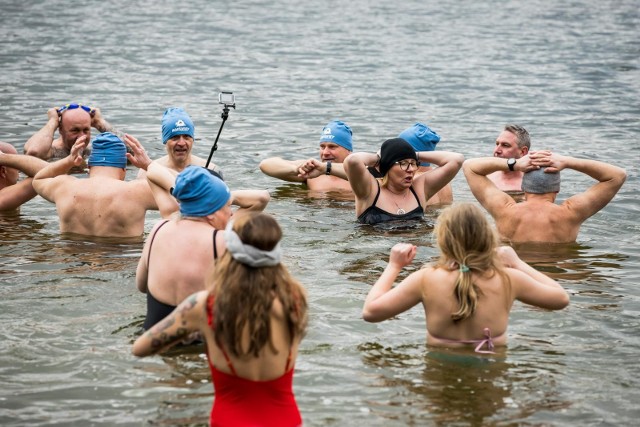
(458, 387)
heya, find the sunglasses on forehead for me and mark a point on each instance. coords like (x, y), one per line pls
(73, 107)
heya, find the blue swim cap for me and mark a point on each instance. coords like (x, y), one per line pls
(176, 121)
(421, 138)
(199, 193)
(337, 132)
(108, 150)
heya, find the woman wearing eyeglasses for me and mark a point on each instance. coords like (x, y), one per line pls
(399, 194)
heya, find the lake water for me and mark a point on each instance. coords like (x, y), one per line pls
(568, 71)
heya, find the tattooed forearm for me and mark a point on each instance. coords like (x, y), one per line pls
(165, 339)
(188, 304)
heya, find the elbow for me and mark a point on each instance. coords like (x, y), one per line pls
(139, 349)
(263, 199)
(458, 159)
(564, 301)
(266, 166)
(35, 153)
(561, 302)
(369, 316)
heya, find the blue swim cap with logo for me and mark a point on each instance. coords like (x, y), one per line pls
(421, 138)
(199, 193)
(176, 121)
(337, 132)
(108, 150)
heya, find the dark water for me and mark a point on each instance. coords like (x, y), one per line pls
(568, 71)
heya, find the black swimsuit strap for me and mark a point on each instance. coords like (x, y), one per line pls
(215, 248)
(377, 194)
(153, 236)
(415, 195)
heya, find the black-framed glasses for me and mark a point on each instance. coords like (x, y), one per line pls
(73, 107)
(406, 164)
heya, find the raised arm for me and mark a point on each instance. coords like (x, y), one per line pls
(101, 124)
(250, 200)
(610, 178)
(491, 197)
(286, 170)
(531, 286)
(449, 164)
(313, 168)
(13, 196)
(384, 301)
(39, 145)
(44, 182)
(362, 183)
(28, 165)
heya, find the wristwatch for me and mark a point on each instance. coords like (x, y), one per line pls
(511, 163)
(328, 171)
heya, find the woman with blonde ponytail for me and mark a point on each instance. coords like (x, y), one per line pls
(468, 293)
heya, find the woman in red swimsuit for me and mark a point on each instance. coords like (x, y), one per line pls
(252, 319)
(467, 295)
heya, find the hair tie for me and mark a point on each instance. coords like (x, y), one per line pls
(248, 254)
(464, 268)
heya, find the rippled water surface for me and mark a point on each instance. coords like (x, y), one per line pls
(568, 71)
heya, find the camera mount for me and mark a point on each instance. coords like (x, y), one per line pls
(228, 100)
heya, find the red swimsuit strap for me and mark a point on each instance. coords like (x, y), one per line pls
(210, 305)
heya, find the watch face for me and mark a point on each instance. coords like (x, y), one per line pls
(511, 163)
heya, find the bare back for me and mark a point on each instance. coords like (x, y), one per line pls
(103, 206)
(538, 221)
(181, 257)
(440, 302)
(273, 358)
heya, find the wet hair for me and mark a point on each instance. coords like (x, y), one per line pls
(466, 238)
(523, 138)
(244, 295)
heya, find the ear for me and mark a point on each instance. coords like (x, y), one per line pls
(3, 171)
(524, 151)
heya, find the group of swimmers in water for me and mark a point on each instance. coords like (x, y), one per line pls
(216, 275)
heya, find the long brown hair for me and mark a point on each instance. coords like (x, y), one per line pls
(244, 295)
(467, 242)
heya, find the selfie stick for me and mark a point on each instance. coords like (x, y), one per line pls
(225, 115)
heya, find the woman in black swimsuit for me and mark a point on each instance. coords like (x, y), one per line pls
(399, 194)
(181, 251)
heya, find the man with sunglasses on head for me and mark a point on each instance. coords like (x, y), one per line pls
(71, 121)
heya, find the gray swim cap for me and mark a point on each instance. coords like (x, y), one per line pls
(538, 182)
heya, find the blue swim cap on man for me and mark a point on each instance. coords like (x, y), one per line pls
(199, 193)
(421, 138)
(337, 132)
(108, 150)
(176, 121)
